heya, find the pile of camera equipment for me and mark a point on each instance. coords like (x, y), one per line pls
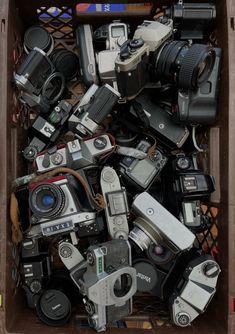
(112, 204)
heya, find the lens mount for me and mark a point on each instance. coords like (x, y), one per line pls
(47, 200)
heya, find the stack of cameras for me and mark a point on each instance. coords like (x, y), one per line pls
(129, 140)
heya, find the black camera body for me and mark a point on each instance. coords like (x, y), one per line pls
(46, 130)
(192, 20)
(131, 169)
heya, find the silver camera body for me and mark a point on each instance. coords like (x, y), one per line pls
(191, 299)
(132, 62)
(117, 35)
(116, 209)
(109, 283)
(157, 224)
(69, 212)
(76, 154)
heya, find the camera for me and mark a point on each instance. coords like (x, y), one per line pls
(84, 40)
(117, 34)
(133, 61)
(91, 115)
(193, 217)
(109, 283)
(193, 185)
(56, 208)
(39, 82)
(161, 124)
(46, 130)
(199, 106)
(116, 209)
(76, 154)
(155, 224)
(131, 169)
(35, 271)
(195, 290)
(188, 15)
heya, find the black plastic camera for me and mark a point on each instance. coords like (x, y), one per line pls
(46, 130)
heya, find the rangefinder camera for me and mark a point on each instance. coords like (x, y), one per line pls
(155, 223)
(116, 209)
(56, 208)
(109, 283)
(76, 154)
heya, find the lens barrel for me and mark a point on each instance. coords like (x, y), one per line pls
(47, 200)
(187, 66)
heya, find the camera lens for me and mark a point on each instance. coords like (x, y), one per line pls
(188, 66)
(47, 200)
(122, 285)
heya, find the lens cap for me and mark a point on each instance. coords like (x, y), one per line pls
(66, 62)
(54, 308)
(147, 276)
(39, 37)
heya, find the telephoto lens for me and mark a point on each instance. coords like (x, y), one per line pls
(188, 66)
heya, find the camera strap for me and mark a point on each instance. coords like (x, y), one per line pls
(141, 114)
(17, 235)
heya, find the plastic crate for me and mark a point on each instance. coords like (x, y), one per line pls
(60, 17)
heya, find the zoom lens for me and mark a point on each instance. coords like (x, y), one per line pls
(188, 66)
(47, 200)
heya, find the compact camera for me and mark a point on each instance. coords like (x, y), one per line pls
(155, 224)
(131, 169)
(109, 283)
(56, 207)
(91, 115)
(117, 34)
(46, 130)
(132, 63)
(39, 82)
(76, 154)
(116, 209)
(195, 290)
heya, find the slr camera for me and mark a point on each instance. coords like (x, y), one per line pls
(109, 283)
(56, 207)
(76, 154)
(195, 290)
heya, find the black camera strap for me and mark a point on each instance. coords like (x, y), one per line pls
(141, 114)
